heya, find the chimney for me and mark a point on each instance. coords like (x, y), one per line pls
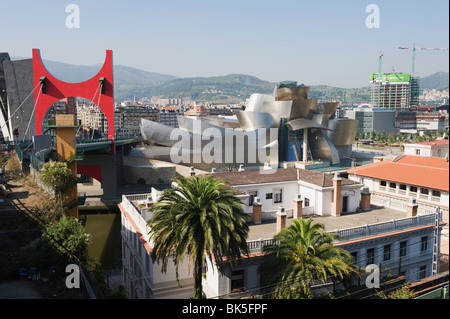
(257, 211)
(365, 199)
(192, 171)
(377, 159)
(281, 219)
(336, 206)
(411, 208)
(298, 203)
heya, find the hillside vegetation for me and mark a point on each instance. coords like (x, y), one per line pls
(233, 88)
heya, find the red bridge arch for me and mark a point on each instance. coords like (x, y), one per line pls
(57, 90)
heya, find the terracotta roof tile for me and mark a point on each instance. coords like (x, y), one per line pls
(280, 175)
(430, 172)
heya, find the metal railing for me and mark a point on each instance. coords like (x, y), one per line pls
(386, 227)
(127, 204)
(257, 246)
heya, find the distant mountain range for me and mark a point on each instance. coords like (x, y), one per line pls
(438, 81)
(233, 88)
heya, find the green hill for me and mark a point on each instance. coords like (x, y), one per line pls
(231, 88)
(438, 81)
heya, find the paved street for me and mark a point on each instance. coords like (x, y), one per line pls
(19, 289)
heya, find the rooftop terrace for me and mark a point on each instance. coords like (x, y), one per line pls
(349, 226)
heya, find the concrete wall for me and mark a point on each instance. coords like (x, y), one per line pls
(152, 174)
(19, 84)
(289, 193)
(153, 171)
(109, 168)
(410, 263)
(427, 150)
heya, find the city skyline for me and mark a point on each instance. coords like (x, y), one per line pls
(314, 43)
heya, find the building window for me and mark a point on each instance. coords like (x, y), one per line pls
(383, 183)
(268, 195)
(403, 187)
(423, 272)
(424, 191)
(387, 252)
(306, 202)
(436, 193)
(417, 152)
(413, 189)
(354, 256)
(402, 248)
(370, 256)
(424, 243)
(392, 185)
(278, 195)
(237, 280)
(251, 199)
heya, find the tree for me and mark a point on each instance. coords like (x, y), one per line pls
(304, 252)
(200, 217)
(68, 237)
(59, 178)
(401, 293)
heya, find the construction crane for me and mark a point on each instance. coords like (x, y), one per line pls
(414, 54)
(380, 59)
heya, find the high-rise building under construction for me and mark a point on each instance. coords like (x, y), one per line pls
(394, 90)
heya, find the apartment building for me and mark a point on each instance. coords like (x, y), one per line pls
(168, 115)
(403, 242)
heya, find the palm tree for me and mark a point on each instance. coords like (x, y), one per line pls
(302, 253)
(199, 217)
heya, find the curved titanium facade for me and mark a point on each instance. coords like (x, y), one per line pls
(305, 130)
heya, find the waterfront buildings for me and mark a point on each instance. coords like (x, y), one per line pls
(127, 119)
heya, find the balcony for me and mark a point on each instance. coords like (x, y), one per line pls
(138, 216)
(386, 227)
(435, 199)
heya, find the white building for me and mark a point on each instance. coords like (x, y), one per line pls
(380, 237)
(279, 187)
(438, 148)
(424, 179)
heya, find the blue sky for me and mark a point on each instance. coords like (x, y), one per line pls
(312, 42)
